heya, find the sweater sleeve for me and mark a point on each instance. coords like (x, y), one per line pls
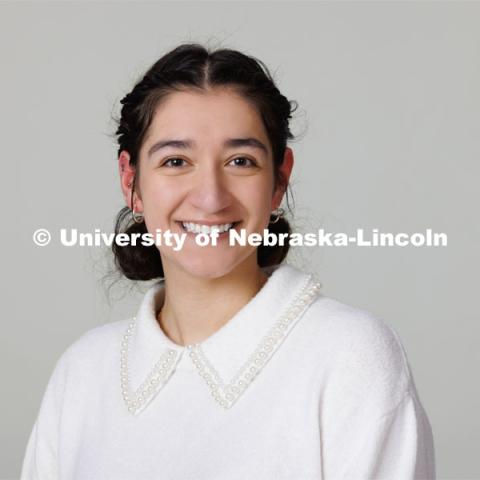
(397, 445)
(373, 424)
(41, 455)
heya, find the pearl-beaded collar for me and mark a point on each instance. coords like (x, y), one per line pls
(231, 358)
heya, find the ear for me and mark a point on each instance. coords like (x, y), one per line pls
(285, 172)
(127, 177)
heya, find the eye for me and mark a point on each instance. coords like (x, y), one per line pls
(173, 162)
(243, 162)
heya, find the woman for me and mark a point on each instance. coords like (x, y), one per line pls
(235, 365)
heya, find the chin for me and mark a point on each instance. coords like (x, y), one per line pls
(212, 266)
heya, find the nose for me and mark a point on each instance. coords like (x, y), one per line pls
(210, 193)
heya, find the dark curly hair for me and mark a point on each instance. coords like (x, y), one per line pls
(193, 66)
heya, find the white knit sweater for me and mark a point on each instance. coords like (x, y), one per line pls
(295, 386)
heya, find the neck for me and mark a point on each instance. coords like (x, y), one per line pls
(185, 294)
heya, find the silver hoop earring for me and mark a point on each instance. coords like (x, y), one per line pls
(137, 216)
(279, 212)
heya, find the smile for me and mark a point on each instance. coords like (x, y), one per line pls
(201, 228)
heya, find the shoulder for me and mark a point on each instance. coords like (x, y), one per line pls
(86, 360)
(361, 352)
(352, 328)
(94, 345)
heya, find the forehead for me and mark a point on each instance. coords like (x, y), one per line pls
(209, 115)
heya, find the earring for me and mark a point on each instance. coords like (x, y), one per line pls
(137, 216)
(279, 212)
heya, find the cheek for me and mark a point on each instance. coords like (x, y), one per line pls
(259, 198)
(155, 194)
(158, 202)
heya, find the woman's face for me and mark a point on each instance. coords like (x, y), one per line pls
(218, 171)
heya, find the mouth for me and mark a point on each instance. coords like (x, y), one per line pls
(195, 228)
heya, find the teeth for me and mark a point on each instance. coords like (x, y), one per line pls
(197, 228)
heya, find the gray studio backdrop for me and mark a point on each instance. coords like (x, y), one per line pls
(388, 129)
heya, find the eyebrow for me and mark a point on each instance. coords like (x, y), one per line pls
(229, 143)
